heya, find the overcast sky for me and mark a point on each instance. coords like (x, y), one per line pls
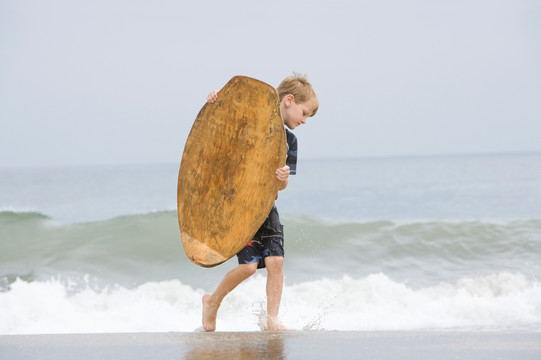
(107, 82)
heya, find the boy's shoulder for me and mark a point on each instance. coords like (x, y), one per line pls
(291, 152)
(291, 138)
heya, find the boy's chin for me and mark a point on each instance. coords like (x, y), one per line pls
(290, 127)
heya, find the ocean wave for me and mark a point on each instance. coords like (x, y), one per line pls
(503, 301)
(134, 249)
(9, 216)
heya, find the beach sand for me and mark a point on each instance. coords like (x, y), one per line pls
(276, 345)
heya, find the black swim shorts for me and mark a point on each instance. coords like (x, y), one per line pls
(268, 241)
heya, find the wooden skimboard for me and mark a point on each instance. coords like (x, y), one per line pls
(227, 183)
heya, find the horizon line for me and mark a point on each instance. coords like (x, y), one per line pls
(330, 158)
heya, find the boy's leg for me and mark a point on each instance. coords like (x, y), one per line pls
(211, 302)
(275, 283)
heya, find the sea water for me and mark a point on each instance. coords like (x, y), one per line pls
(371, 244)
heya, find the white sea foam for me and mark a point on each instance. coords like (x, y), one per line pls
(378, 303)
(375, 302)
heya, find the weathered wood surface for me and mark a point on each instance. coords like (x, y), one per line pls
(227, 182)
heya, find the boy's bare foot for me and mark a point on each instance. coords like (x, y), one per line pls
(273, 324)
(210, 310)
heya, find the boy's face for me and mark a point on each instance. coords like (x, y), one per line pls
(294, 114)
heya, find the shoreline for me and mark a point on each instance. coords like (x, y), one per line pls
(277, 345)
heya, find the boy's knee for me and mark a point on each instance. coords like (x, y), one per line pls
(274, 263)
(248, 269)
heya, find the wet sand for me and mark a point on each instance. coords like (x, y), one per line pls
(276, 345)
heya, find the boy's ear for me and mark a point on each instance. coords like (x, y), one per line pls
(288, 99)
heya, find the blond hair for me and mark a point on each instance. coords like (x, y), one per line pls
(298, 86)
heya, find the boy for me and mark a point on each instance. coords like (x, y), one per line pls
(297, 102)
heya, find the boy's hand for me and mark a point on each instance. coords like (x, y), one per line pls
(282, 173)
(212, 97)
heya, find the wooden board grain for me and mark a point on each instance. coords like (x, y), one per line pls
(227, 183)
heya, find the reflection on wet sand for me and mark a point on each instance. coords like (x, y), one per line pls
(257, 345)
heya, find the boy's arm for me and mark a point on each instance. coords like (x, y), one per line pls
(282, 174)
